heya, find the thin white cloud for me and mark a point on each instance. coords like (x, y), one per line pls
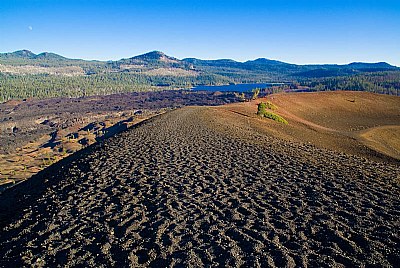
(30, 28)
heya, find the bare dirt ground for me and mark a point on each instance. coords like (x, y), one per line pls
(359, 123)
(204, 186)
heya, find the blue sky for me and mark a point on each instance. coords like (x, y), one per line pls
(291, 31)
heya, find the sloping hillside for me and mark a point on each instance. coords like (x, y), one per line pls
(203, 186)
(359, 123)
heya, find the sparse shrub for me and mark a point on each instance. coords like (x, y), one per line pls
(271, 106)
(241, 96)
(262, 111)
(276, 117)
(256, 92)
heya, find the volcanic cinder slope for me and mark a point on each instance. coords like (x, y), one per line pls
(196, 187)
(358, 123)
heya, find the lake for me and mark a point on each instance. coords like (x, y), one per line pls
(235, 88)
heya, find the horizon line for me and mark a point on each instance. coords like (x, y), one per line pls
(214, 59)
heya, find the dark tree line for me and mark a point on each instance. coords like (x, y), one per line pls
(47, 86)
(377, 82)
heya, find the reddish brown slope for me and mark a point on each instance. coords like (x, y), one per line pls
(358, 123)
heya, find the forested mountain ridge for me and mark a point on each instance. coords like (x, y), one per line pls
(154, 59)
(25, 57)
(24, 74)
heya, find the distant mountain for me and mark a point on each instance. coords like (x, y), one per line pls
(377, 65)
(371, 67)
(46, 59)
(282, 69)
(220, 62)
(153, 59)
(332, 70)
(49, 56)
(26, 54)
(257, 70)
(264, 61)
(154, 56)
